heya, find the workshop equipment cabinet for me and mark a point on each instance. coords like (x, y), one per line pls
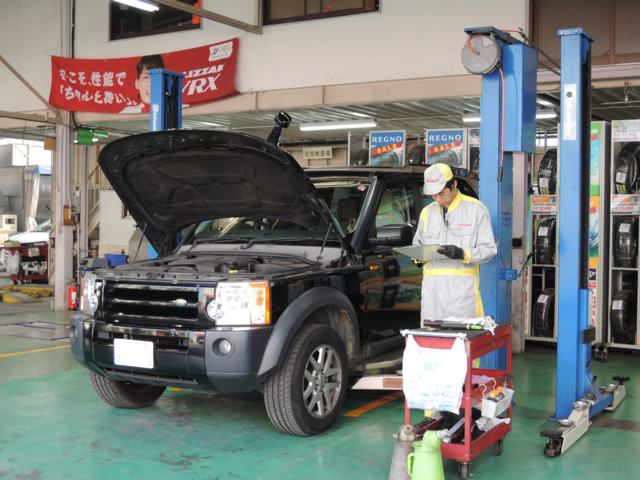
(477, 343)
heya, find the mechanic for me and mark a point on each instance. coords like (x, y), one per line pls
(461, 226)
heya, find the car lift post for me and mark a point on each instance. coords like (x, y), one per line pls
(502, 138)
(165, 107)
(578, 398)
(166, 100)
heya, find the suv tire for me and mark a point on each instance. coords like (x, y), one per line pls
(305, 395)
(125, 394)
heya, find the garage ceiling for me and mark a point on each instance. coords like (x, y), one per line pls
(411, 116)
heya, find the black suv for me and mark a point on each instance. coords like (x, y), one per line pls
(267, 276)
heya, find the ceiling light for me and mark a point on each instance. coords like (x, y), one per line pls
(540, 114)
(148, 6)
(471, 118)
(308, 127)
(546, 114)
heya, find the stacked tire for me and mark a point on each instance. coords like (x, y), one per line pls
(544, 314)
(627, 169)
(547, 172)
(622, 317)
(546, 241)
(625, 251)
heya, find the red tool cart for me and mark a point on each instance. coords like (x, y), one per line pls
(477, 344)
(33, 261)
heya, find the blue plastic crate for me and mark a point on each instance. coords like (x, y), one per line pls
(116, 259)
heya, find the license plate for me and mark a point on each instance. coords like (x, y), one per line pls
(133, 353)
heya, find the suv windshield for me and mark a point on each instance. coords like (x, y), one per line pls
(343, 198)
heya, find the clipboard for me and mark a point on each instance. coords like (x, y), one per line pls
(423, 253)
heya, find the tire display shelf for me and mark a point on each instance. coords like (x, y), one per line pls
(541, 322)
(625, 232)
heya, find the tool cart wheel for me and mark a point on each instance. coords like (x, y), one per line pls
(497, 448)
(463, 470)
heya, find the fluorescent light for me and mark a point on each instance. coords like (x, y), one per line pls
(148, 6)
(546, 114)
(308, 127)
(539, 114)
(470, 118)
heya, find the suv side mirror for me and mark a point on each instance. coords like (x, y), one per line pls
(392, 235)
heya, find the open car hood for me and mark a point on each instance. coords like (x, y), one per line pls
(171, 179)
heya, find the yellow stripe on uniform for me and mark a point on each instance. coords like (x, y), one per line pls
(34, 351)
(450, 271)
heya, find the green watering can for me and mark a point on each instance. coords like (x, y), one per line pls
(425, 463)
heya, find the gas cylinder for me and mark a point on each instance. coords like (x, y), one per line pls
(403, 447)
(426, 461)
(72, 297)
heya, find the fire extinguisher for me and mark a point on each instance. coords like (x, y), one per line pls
(72, 297)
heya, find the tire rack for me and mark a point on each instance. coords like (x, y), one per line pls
(599, 261)
(623, 132)
(540, 277)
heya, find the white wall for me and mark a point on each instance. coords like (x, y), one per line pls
(30, 32)
(407, 39)
(115, 231)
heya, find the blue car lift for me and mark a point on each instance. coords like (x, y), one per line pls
(578, 398)
(165, 108)
(499, 55)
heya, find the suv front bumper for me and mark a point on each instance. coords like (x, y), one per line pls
(182, 358)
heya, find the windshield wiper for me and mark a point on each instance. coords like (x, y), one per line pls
(279, 239)
(200, 240)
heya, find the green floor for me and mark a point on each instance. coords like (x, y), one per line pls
(55, 427)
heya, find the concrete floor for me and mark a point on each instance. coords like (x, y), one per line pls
(55, 427)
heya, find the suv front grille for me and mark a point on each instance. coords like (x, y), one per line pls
(155, 303)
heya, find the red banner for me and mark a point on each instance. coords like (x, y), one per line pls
(122, 85)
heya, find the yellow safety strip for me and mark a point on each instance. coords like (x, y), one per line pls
(34, 351)
(370, 406)
(467, 256)
(479, 307)
(450, 271)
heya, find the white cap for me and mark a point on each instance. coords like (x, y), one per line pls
(436, 177)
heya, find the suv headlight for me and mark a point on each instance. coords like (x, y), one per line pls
(90, 293)
(241, 304)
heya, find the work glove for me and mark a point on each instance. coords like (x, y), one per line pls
(451, 251)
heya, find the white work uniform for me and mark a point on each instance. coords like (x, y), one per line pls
(450, 288)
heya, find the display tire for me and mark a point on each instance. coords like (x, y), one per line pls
(546, 241)
(304, 396)
(622, 316)
(626, 169)
(416, 155)
(125, 394)
(625, 253)
(543, 314)
(547, 172)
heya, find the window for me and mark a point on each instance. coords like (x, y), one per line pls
(128, 22)
(284, 11)
(612, 23)
(396, 205)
